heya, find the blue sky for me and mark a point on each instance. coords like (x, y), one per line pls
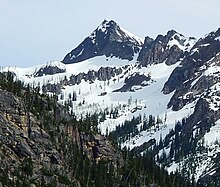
(36, 32)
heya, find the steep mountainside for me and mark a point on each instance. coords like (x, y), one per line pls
(41, 144)
(197, 79)
(198, 66)
(161, 95)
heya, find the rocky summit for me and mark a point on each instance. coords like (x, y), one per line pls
(108, 39)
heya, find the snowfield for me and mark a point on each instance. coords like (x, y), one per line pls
(150, 98)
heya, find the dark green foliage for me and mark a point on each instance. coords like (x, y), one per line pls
(27, 167)
(8, 83)
(127, 130)
(133, 127)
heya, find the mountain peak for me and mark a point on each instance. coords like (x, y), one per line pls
(106, 25)
(107, 39)
(172, 32)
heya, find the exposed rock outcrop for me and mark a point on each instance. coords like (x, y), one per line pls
(190, 76)
(169, 48)
(189, 69)
(49, 70)
(134, 82)
(99, 148)
(103, 74)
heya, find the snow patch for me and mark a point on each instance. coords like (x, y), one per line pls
(213, 135)
(140, 40)
(217, 38)
(185, 46)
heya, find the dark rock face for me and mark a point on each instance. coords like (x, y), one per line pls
(99, 148)
(49, 70)
(187, 94)
(203, 50)
(134, 80)
(191, 68)
(53, 88)
(160, 50)
(145, 146)
(15, 135)
(103, 74)
(109, 40)
(213, 175)
(200, 117)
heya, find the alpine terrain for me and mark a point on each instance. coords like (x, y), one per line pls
(120, 101)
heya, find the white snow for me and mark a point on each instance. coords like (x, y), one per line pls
(205, 45)
(195, 50)
(173, 167)
(213, 135)
(80, 53)
(103, 28)
(140, 40)
(164, 129)
(27, 74)
(195, 81)
(186, 46)
(212, 69)
(217, 38)
(175, 42)
(150, 96)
